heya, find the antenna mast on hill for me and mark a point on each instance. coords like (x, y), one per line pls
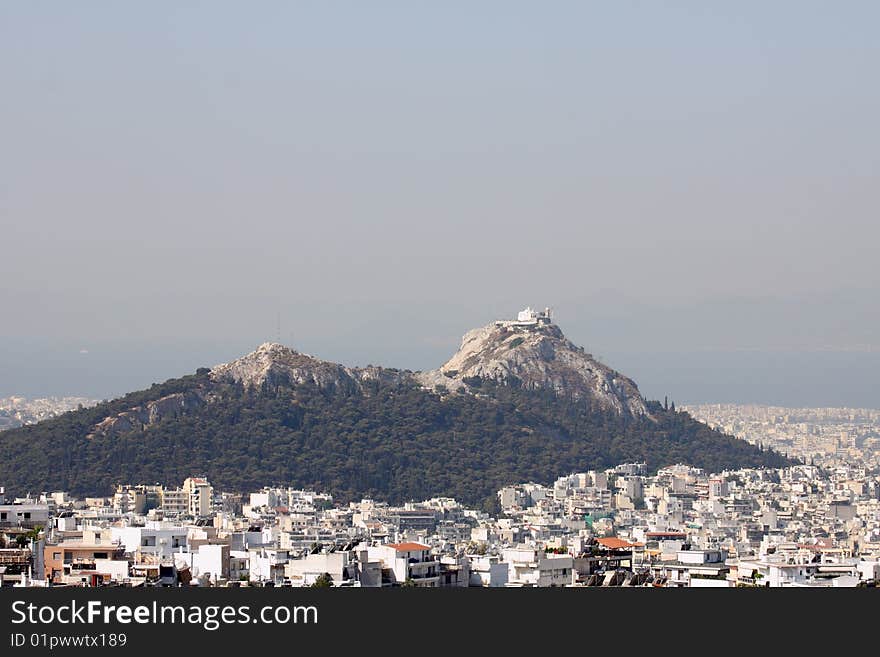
(278, 329)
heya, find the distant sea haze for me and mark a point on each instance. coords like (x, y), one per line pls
(793, 379)
(38, 368)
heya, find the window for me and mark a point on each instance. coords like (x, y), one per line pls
(27, 515)
(3, 516)
(56, 556)
(100, 555)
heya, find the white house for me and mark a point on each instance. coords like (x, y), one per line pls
(267, 564)
(528, 566)
(211, 560)
(488, 571)
(26, 515)
(698, 569)
(155, 539)
(411, 562)
(339, 565)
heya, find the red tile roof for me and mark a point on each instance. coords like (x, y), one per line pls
(409, 547)
(614, 543)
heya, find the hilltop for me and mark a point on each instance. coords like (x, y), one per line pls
(517, 402)
(532, 352)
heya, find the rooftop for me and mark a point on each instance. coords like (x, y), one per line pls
(614, 543)
(409, 547)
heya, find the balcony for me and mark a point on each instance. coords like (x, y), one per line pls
(13, 557)
(423, 576)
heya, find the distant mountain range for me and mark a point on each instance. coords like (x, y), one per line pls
(517, 402)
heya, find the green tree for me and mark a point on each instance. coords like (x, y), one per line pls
(323, 581)
(393, 441)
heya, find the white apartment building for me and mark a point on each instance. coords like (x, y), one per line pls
(488, 571)
(209, 561)
(411, 562)
(697, 569)
(25, 515)
(528, 566)
(194, 498)
(199, 496)
(174, 501)
(777, 571)
(129, 499)
(343, 566)
(156, 540)
(267, 564)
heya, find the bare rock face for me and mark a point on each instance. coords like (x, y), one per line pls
(277, 365)
(140, 417)
(532, 355)
(531, 352)
(536, 356)
(274, 364)
(384, 375)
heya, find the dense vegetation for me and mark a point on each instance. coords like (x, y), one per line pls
(391, 442)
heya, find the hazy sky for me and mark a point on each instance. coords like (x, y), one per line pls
(692, 186)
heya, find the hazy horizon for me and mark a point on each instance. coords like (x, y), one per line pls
(693, 189)
(794, 379)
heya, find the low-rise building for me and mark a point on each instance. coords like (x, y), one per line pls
(408, 563)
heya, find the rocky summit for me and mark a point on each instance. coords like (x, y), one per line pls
(517, 402)
(274, 364)
(529, 352)
(532, 352)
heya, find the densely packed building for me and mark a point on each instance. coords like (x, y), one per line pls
(831, 436)
(805, 525)
(18, 411)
